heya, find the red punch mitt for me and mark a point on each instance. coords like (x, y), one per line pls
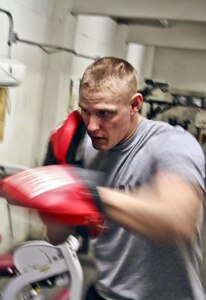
(66, 194)
(65, 139)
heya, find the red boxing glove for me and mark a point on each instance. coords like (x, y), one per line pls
(64, 193)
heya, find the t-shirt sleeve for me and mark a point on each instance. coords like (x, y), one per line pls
(179, 152)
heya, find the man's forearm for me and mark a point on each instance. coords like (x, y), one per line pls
(167, 210)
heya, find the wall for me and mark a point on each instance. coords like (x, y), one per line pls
(141, 57)
(30, 22)
(185, 69)
(38, 105)
(97, 37)
(57, 78)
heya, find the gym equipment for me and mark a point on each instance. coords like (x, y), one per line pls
(40, 265)
(176, 98)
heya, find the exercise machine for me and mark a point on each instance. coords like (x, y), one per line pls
(38, 265)
(175, 98)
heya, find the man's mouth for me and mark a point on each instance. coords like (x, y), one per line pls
(97, 139)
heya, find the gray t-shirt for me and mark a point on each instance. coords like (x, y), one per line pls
(130, 266)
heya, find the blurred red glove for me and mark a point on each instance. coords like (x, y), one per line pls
(66, 194)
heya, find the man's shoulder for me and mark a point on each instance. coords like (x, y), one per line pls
(158, 127)
(162, 130)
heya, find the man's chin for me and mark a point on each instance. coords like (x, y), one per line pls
(99, 147)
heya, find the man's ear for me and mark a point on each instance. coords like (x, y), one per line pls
(136, 102)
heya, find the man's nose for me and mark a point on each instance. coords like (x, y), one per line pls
(93, 123)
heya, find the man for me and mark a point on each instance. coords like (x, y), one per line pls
(149, 248)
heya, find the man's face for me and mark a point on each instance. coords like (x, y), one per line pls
(107, 120)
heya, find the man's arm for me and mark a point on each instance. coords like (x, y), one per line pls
(165, 210)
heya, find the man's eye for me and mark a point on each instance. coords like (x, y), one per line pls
(85, 111)
(104, 114)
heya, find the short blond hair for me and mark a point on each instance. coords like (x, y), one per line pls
(111, 73)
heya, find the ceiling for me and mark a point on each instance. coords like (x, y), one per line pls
(164, 23)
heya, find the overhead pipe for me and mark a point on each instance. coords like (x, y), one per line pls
(12, 35)
(44, 47)
(13, 38)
